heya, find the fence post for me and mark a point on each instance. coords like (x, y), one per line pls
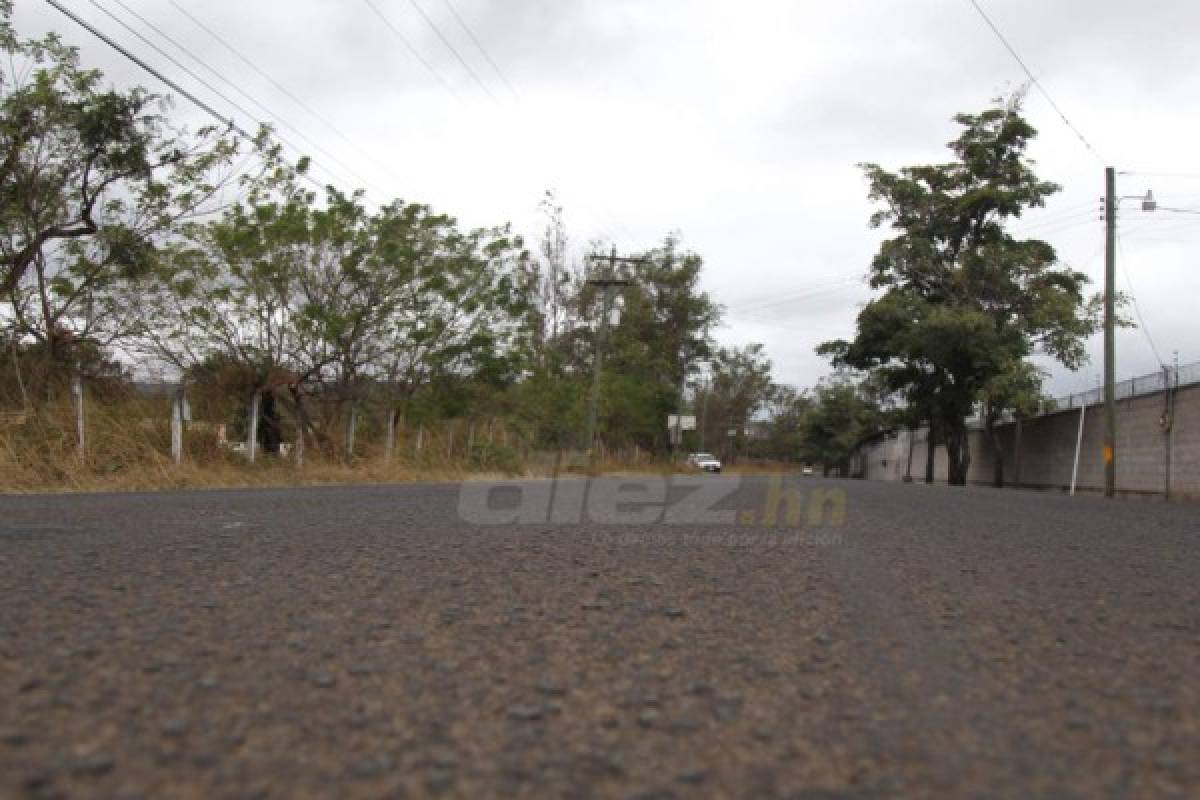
(470, 439)
(252, 428)
(77, 407)
(350, 425)
(390, 445)
(299, 439)
(449, 440)
(420, 436)
(177, 426)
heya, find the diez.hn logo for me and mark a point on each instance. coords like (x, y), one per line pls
(648, 500)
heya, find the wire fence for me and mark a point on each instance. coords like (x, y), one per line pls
(1166, 378)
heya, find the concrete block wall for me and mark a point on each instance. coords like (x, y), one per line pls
(1045, 454)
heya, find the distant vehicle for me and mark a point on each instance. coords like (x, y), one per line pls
(704, 461)
(807, 470)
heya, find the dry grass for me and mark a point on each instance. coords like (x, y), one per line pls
(128, 449)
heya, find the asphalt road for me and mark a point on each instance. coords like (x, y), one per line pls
(366, 642)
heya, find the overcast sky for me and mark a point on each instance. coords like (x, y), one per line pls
(736, 124)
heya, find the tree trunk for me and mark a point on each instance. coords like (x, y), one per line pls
(958, 454)
(930, 455)
(268, 430)
(302, 424)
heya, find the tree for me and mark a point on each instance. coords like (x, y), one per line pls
(740, 387)
(82, 164)
(965, 303)
(462, 318)
(787, 408)
(663, 336)
(274, 289)
(89, 177)
(842, 416)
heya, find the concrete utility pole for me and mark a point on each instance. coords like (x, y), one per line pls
(1110, 373)
(1111, 204)
(607, 284)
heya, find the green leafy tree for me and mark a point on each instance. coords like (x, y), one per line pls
(786, 408)
(663, 336)
(462, 324)
(843, 414)
(274, 288)
(739, 388)
(90, 176)
(964, 302)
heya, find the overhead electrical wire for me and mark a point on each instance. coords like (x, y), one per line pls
(1060, 227)
(450, 46)
(281, 88)
(479, 46)
(797, 297)
(1184, 175)
(1046, 214)
(602, 218)
(270, 114)
(777, 296)
(1033, 79)
(231, 123)
(1137, 310)
(1055, 221)
(412, 50)
(228, 121)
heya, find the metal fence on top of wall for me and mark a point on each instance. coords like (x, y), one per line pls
(1166, 378)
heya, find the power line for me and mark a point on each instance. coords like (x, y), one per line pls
(170, 83)
(189, 72)
(1055, 221)
(280, 87)
(1137, 310)
(452, 49)
(1188, 175)
(479, 46)
(806, 294)
(404, 40)
(1034, 80)
(1048, 214)
(1059, 228)
(271, 114)
(602, 219)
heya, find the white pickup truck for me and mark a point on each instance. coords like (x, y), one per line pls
(704, 461)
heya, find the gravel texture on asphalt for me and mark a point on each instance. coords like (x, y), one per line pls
(366, 642)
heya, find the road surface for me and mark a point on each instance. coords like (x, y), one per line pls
(367, 642)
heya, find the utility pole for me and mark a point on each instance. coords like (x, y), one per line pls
(1111, 204)
(607, 284)
(1110, 372)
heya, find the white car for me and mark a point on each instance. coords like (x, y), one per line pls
(704, 461)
